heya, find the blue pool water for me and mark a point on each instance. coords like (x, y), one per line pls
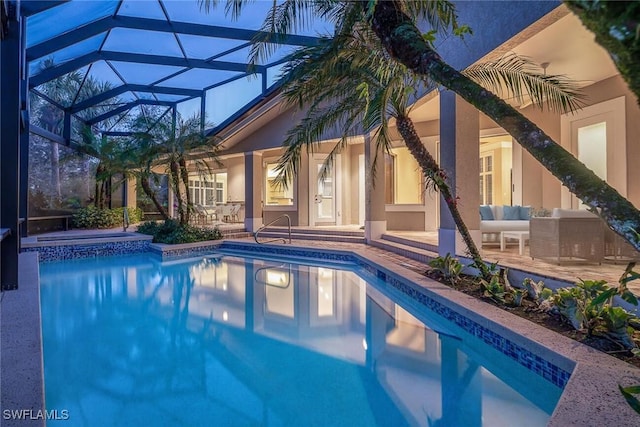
(234, 341)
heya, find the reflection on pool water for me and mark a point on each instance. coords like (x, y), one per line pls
(224, 340)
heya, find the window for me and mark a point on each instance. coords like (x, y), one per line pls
(389, 175)
(219, 191)
(486, 180)
(403, 180)
(276, 195)
(209, 195)
(209, 190)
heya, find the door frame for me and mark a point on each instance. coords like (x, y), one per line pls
(313, 187)
(612, 112)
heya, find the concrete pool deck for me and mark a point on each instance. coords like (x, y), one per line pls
(21, 367)
(591, 397)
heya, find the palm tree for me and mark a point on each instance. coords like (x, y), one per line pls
(111, 154)
(351, 82)
(393, 22)
(175, 147)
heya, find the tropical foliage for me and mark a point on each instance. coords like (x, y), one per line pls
(171, 147)
(173, 232)
(111, 154)
(93, 217)
(446, 268)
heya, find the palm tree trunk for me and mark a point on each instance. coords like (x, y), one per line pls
(99, 202)
(144, 181)
(404, 42)
(184, 174)
(432, 171)
(96, 197)
(175, 179)
(108, 191)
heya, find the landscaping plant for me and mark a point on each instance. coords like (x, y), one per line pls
(173, 232)
(93, 217)
(494, 289)
(589, 306)
(447, 269)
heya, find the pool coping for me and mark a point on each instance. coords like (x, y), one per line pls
(590, 397)
(21, 363)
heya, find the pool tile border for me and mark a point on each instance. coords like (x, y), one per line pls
(83, 247)
(185, 250)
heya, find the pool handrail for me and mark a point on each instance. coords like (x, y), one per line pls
(255, 235)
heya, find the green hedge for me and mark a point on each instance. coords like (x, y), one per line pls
(92, 217)
(172, 232)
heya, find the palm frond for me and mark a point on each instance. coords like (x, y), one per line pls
(441, 14)
(208, 5)
(520, 78)
(319, 120)
(327, 165)
(283, 19)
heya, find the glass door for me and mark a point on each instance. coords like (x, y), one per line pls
(323, 200)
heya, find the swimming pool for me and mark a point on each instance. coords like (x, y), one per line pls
(229, 340)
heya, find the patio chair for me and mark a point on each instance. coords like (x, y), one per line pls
(618, 249)
(235, 209)
(225, 212)
(211, 214)
(200, 214)
(576, 235)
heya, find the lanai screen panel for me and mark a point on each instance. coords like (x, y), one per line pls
(126, 54)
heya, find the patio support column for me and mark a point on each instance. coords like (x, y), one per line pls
(24, 160)
(10, 150)
(459, 146)
(375, 219)
(253, 190)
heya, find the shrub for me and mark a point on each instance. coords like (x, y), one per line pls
(92, 217)
(172, 232)
(150, 228)
(135, 215)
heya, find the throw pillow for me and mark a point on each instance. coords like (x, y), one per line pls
(511, 212)
(525, 212)
(486, 213)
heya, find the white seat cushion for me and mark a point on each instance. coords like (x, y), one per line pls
(504, 225)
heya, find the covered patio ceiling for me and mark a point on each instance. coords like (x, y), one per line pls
(130, 57)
